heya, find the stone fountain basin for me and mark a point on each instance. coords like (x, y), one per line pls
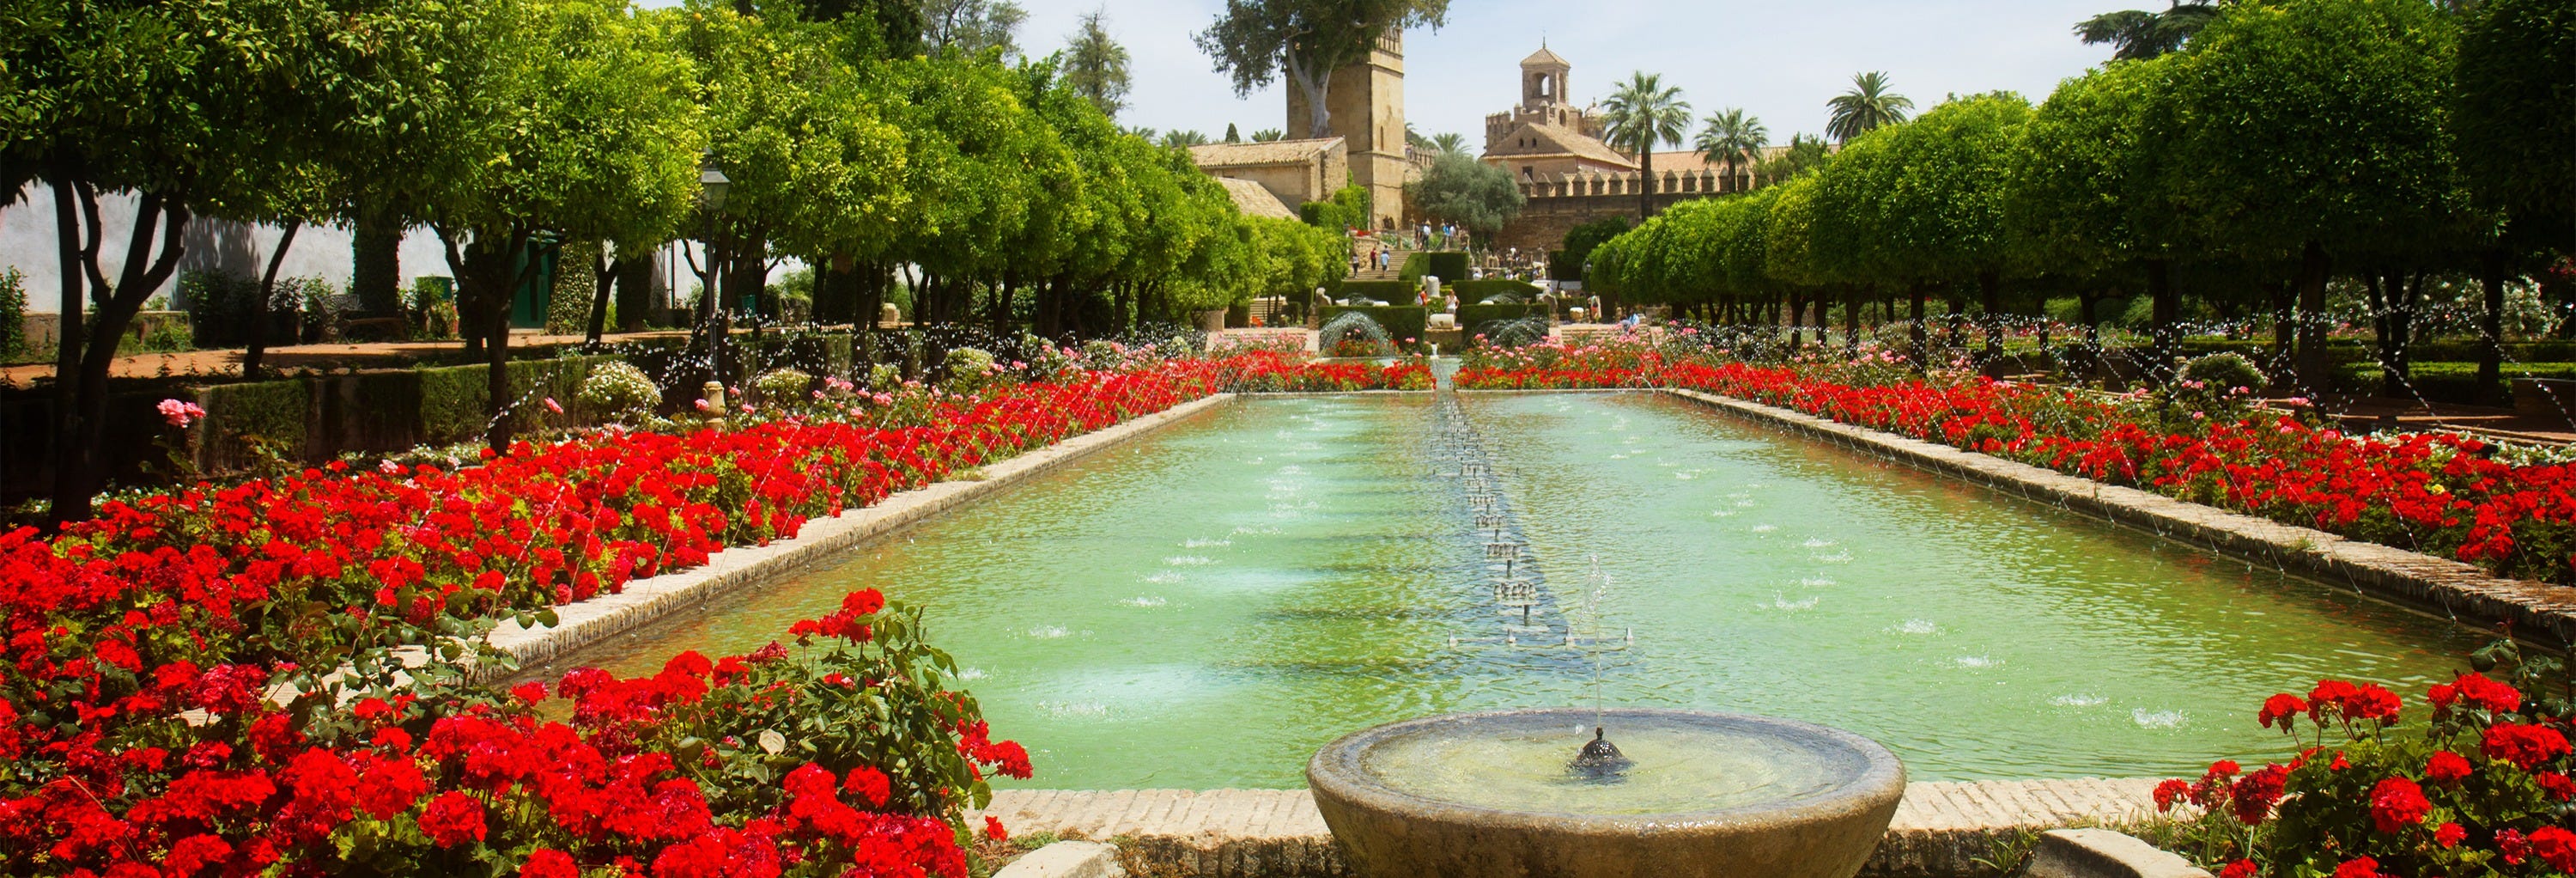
(1820, 821)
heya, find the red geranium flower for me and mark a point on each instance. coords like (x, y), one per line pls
(2397, 803)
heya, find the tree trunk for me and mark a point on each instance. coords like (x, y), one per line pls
(257, 346)
(2284, 328)
(1851, 319)
(375, 267)
(1922, 333)
(2166, 312)
(604, 276)
(81, 427)
(1990, 297)
(1318, 85)
(68, 505)
(2395, 373)
(1646, 180)
(2311, 369)
(2491, 270)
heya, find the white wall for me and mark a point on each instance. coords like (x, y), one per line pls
(28, 243)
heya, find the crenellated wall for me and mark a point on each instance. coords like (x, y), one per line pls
(1557, 205)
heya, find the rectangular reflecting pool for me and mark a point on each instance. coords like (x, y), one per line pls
(1206, 606)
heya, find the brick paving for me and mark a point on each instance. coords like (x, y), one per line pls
(1939, 829)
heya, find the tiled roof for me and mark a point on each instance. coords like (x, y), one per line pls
(1557, 140)
(1254, 200)
(1692, 159)
(1545, 58)
(1276, 152)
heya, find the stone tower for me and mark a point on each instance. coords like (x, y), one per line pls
(1367, 102)
(1543, 79)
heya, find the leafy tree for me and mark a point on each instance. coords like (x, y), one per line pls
(190, 107)
(1581, 240)
(1641, 114)
(1868, 105)
(1939, 213)
(1095, 65)
(1806, 152)
(2515, 120)
(2089, 199)
(973, 27)
(1256, 41)
(1729, 137)
(2313, 130)
(2137, 34)
(1231, 134)
(594, 137)
(1457, 188)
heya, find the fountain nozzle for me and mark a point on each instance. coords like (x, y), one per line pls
(1600, 759)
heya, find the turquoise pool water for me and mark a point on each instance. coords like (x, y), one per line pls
(1206, 606)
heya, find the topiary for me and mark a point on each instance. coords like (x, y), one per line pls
(621, 391)
(969, 370)
(783, 386)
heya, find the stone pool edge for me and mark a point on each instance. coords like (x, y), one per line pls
(596, 620)
(2414, 579)
(1941, 828)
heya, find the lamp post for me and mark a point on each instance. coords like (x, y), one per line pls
(713, 322)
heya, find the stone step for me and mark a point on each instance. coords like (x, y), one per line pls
(1940, 828)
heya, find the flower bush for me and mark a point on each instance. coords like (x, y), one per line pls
(2439, 493)
(2481, 789)
(1273, 371)
(277, 676)
(621, 391)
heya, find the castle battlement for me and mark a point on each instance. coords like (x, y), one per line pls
(1681, 181)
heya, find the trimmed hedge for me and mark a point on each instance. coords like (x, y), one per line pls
(1416, 264)
(1447, 265)
(1475, 291)
(1393, 292)
(2447, 381)
(273, 413)
(1401, 321)
(1472, 316)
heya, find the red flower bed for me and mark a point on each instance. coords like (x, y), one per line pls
(151, 721)
(2482, 789)
(2438, 493)
(1278, 372)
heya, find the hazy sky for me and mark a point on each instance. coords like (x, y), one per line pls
(1779, 61)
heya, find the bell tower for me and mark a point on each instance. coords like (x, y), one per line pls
(1543, 79)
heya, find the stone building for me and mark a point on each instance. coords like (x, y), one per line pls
(1571, 176)
(1292, 171)
(1367, 104)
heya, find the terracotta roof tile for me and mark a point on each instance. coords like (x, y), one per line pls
(1254, 200)
(1276, 152)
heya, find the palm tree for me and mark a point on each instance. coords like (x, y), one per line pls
(1640, 115)
(1452, 143)
(1267, 135)
(1732, 137)
(1181, 139)
(2138, 34)
(1868, 105)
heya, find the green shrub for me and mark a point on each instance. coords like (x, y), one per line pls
(2224, 371)
(1323, 215)
(240, 418)
(969, 369)
(13, 314)
(219, 308)
(619, 390)
(1390, 291)
(1401, 321)
(1472, 316)
(1447, 265)
(783, 386)
(1475, 292)
(1416, 264)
